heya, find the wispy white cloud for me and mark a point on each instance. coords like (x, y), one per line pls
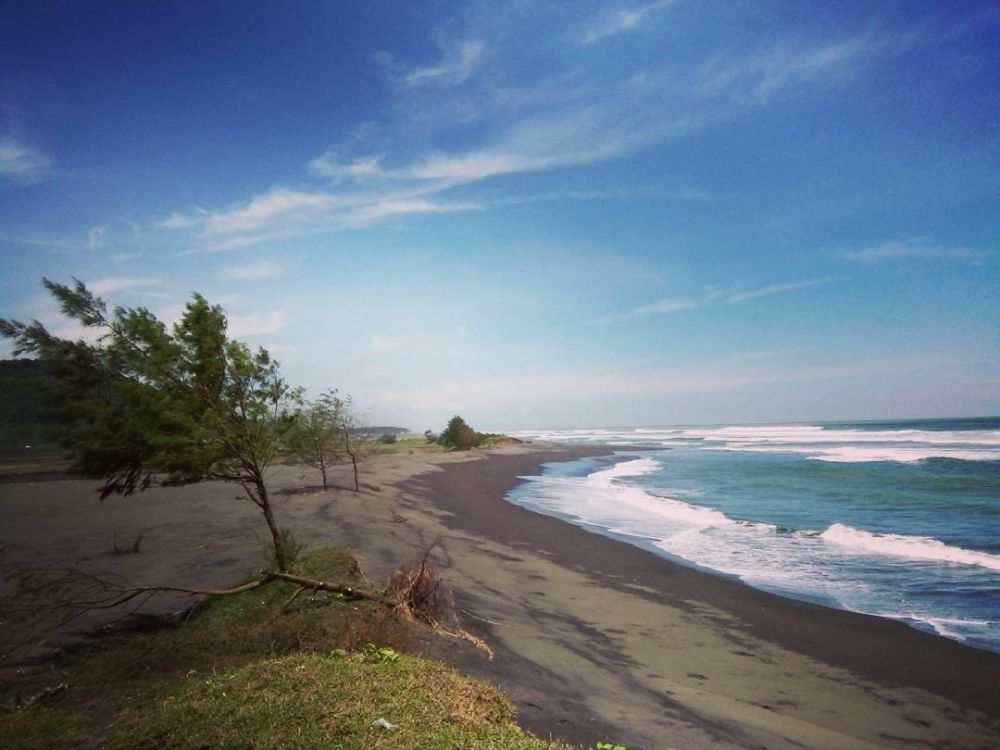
(758, 77)
(713, 298)
(96, 236)
(623, 19)
(374, 212)
(123, 257)
(40, 241)
(576, 113)
(178, 221)
(257, 324)
(115, 284)
(386, 344)
(291, 214)
(280, 202)
(456, 65)
(736, 297)
(661, 307)
(23, 164)
(916, 250)
(441, 343)
(258, 269)
(330, 164)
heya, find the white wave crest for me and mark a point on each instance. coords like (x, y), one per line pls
(867, 454)
(846, 445)
(634, 468)
(913, 547)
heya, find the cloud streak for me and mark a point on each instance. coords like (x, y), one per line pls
(259, 269)
(23, 164)
(712, 299)
(456, 65)
(257, 324)
(115, 284)
(623, 20)
(578, 112)
(915, 250)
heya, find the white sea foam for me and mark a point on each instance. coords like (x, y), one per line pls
(950, 627)
(633, 468)
(865, 454)
(912, 547)
(917, 579)
(848, 445)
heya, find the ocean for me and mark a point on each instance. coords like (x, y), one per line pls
(898, 519)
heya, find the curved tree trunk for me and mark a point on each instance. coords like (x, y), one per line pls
(280, 553)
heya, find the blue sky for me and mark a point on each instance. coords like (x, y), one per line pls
(534, 214)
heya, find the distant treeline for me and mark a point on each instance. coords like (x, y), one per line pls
(24, 419)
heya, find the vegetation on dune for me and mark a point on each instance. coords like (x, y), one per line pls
(330, 701)
(256, 670)
(458, 435)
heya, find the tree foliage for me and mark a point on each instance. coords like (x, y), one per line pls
(458, 435)
(316, 439)
(144, 404)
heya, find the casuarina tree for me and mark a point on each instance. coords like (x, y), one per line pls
(142, 403)
(316, 438)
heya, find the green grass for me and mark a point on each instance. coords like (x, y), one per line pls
(242, 673)
(328, 701)
(403, 444)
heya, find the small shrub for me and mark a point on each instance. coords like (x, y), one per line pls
(387, 438)
(292, 548)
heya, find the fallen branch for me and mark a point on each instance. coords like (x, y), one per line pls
(46, 696)
(348, 592)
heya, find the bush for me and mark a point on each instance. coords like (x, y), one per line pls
(458, 435)
(387, 438)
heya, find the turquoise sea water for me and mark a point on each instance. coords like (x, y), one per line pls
(898, 519)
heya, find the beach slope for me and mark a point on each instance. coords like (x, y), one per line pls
(594, 639)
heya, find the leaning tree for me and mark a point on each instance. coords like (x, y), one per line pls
(141, 403)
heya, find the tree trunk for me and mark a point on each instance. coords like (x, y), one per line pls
(280, 553)
(322, 468)
(354, 458)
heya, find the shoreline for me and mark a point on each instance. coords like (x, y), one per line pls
(877, 649)
(791, 594)
(595, 639)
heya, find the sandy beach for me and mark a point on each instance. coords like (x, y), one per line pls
(594, 639)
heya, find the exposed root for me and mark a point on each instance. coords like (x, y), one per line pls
(420, 594)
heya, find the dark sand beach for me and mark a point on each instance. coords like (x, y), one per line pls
(594, 639)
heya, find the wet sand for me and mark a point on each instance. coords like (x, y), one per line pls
(594, 639)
